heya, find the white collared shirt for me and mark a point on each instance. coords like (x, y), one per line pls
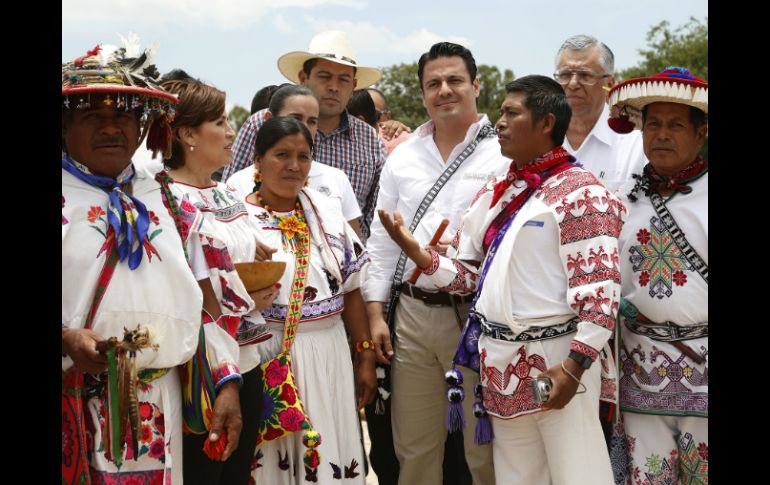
(610, 156)
(410, 172)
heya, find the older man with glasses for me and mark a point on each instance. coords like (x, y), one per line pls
(585, 69)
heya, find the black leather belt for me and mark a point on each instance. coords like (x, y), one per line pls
(438, 298)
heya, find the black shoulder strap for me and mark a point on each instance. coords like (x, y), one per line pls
(689, 253)
(486, 131)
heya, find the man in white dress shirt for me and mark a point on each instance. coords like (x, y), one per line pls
(585, 67)
(428, 322)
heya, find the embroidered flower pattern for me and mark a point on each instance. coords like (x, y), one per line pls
(288, 394)
(291, 225)
(643, 236)
(151, 433)
(95, 213)
(275, 373)
(680, 278)
(644, 278)
(703, 451)
(291, 419)
(661, 258)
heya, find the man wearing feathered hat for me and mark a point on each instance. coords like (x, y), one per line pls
(330, 70)
(664, 266)
(125, 274)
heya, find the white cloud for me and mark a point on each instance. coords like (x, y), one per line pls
(221, 14)
(282, 25)
(370, 38)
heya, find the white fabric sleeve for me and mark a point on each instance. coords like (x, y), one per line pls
(223, 354)
(383, 252)
(588, 247)
(198, 263)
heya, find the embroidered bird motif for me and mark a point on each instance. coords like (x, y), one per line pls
(230, 298)
(283, 463)
(258, 457)
(311, 474)
(216, 257)
(334, 285)
(350, 472)
(336, 471)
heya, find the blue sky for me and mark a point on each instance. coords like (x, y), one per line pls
(234, 44)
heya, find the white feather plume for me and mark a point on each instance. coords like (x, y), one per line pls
(106, 52)
(131, 44)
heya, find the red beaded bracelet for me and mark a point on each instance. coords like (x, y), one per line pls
(362, 345)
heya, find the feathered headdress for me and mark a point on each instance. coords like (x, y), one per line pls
(129, 74)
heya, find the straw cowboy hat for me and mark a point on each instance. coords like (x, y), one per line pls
(672, 85)
(334, 46)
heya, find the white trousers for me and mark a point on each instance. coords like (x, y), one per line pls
(559, 447)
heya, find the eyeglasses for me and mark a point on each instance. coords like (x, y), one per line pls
(586, 78)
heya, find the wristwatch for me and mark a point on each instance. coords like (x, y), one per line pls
(583, 360)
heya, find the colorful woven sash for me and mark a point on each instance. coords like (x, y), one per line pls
(282, 411)
(74, 467)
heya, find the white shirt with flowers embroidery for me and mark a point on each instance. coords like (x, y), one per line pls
(225, 220)
(161, 294)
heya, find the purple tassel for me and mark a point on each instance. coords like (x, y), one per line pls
(455, 419)
(484, 434)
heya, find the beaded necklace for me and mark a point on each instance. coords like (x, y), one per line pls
(290, 225)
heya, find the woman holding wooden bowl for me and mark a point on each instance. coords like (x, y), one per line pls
(202, 144)
(312, 422)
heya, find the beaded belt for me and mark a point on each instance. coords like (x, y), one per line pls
(499, 331)
(666, 331)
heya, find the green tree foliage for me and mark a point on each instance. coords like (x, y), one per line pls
(402, 91)
(237, 117)
(401, 87)
(492, 92)
(685, 46)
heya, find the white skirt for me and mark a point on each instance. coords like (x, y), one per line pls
(323, 374)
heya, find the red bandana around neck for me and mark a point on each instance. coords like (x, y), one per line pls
(650, 181)
(530, 173)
